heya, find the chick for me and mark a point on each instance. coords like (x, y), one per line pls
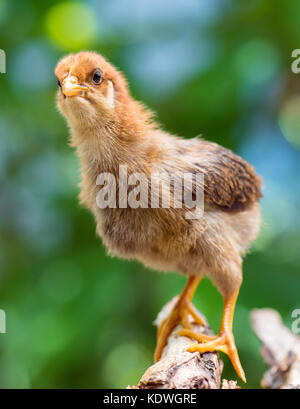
(108, 129)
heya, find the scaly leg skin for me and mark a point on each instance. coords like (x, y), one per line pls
(224, 341)
(179, 315)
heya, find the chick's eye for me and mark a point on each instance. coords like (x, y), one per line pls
(97, 77)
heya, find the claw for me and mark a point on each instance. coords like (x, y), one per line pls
(179, 315)
(224, 342)
(198, 337)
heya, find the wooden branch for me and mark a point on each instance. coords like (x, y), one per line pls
(179, 369)
(280, 350)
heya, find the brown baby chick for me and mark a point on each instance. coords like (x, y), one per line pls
(109, 128)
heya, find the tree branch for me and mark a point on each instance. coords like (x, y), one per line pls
(179, 369)
(280, 350)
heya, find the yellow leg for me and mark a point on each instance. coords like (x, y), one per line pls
(179, 315)
(224, 341)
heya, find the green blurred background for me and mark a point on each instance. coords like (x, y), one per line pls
(75, 317)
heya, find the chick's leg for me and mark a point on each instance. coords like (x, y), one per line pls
(224, 341)
(179, 315)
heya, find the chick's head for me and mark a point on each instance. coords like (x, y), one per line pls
(90, 88)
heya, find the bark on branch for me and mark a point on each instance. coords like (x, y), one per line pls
(280, 350)
(179, 369)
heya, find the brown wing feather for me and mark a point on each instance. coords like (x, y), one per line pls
(229, 181)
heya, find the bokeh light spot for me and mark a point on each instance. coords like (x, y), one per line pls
(289, 120)
(3, 10)
(62, 281)
(257, 61)
(32, 66)
(71, 26)
(14, 374)
(125, 364)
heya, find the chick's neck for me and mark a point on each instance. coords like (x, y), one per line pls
(124, 138)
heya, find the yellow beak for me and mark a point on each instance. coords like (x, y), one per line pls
(71, 88)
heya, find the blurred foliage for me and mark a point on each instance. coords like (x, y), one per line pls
(76, 318)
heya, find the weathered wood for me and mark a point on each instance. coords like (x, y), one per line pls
(179, 369)
(280, 350)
